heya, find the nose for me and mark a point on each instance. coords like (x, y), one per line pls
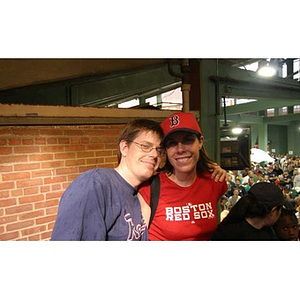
(180, 147)
(154, 152)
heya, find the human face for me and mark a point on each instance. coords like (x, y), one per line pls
(288, 228)
(139, 165)
(183, 151)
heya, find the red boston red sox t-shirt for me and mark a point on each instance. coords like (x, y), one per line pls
(185, 213)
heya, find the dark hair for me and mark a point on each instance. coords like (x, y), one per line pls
(247, 207)
(286, 212)
(134, 128)
(204, 163)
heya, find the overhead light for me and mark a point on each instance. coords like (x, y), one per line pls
(265, 69)
(237, 130)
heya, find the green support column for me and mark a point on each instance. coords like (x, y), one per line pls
(159, 100)
(209, 108)
(263, 136)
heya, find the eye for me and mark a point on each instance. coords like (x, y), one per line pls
(171, 143)
(188, 140)
(146, 147)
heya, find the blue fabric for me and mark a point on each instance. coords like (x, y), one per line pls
(99, 205)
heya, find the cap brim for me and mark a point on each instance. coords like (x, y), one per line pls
(182, 129)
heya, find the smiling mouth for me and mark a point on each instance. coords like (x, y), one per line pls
(149, 163)
(183, 159)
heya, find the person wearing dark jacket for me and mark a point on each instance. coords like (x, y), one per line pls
(253, 216)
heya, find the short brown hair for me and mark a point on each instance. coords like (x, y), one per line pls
(134, 128)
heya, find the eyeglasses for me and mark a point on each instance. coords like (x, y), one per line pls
(149, 147)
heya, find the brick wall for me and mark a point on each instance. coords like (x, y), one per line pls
(37, 163)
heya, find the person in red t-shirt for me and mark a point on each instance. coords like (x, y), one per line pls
(189, 187)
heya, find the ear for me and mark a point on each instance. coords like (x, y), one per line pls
(275, 211)
(201, 142)
(123, 147)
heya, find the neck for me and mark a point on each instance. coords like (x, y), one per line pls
(256, 222)
(184, 179)
(128, 177)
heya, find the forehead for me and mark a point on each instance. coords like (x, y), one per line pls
(148, 136)
(287, 220)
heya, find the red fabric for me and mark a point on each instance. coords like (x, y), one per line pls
(185, 213)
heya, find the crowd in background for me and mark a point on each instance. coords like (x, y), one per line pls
(284, 172)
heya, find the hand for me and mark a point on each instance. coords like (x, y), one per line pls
(218, 173)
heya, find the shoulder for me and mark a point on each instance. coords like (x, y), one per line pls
(222, 185)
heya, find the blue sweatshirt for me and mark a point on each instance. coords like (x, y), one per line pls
(99, 205)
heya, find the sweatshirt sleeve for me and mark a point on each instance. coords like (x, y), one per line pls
(79, 216)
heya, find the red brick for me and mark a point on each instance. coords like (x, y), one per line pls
(98, 160)
(110, 159)
(75, 140)
(31, 191)
(73, 132)
(84, 140)
(52, 164)
(6, 169)
(35, 237)
(19, 225)
(52, 149)
(56, 187)
(51, 211)
(31, 199)
(18, 209)
(40, 141)
(51, 141)
(30, 182)
(77, 162)
(46, 235)
(31, 215)
(4, 194)
(64, 141)
(9, 236)
(55, 179)
(6, 150)
(40, 157)
(95, 146)
(8, 202)
(45, 204)
(5, 131)
(54, 195)
(45, 219)
(45, 189)
(66, 171)
(27, 141)
(26, 149)
(86, 168)
(8, 219)
(17, 193)
(65, 155)
(32, 230)
(15, 176)
(25, 131)
(7, 185)
(75, 148)
(28, 166)
(51, 131)
(41, 173)
(86, 154)
(15, 141)
(13, 159)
